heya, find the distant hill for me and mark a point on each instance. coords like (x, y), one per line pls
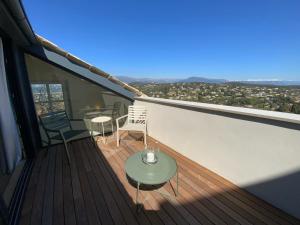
(127, 79)
(203, 80)
(194, 79)
(272, 82)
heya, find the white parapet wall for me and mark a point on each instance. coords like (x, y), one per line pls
(255, 149)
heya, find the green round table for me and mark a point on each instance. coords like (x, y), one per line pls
(162, 171)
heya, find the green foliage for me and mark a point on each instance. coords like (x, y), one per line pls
(296, 108)
(282, 99)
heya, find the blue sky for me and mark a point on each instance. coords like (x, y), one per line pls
(231, 39)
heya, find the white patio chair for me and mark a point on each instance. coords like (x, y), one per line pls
(136, 121)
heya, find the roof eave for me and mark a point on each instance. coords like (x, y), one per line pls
(53, 47)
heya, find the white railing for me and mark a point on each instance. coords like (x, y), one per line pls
(255, 149)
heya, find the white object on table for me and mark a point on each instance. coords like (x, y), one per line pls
(150, 157)
(101, 120)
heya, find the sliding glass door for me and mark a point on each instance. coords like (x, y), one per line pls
(12, 155)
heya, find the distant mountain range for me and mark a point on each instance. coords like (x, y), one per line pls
(272, 82)
(129, 80)
(146, 80)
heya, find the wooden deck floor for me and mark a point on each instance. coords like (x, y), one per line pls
(94, 190)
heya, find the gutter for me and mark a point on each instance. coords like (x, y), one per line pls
(18, 14)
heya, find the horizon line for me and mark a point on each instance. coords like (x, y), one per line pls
(231, 80)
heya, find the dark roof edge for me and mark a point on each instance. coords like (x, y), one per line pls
(17, 11)
(51, 46)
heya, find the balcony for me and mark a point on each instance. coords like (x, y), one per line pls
(94, 190)
(236, 165)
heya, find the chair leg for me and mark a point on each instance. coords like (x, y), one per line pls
(118, 143)
(145, 139)
(48, 144)
(94, 142)
(93, 139)
(67, 151)
(66, 145)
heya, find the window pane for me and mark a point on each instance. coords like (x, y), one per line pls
(39, 92)
(56, 92)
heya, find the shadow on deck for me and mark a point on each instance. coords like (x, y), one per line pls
(94, 190)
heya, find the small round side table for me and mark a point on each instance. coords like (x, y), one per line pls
(101, 120)
(162, 171)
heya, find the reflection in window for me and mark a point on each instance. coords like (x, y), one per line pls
(48, 97)
(55, 89)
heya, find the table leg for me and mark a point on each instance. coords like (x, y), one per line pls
(103, 133)
(137, 193)
(138, 205)
(93, 138)
(92, 133)
(176, 183)
(99, 129)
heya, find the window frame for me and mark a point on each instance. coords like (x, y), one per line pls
(49, 97)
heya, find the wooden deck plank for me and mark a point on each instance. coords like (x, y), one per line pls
(118, 176)
(80, 209)
(115, 212)
(211, 193)
(31, 191)
(58, 203)
(94, 189)
(92, 213)
(69, 208)
(103, 212)
(37, 210)
(235, 204)
(128, 215)
(202, 194)
(253, 201)
(49, 189)
(192, 194)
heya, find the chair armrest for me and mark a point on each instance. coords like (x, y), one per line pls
(106, 108)
(51, 130)
(119, 118)
(75, 119)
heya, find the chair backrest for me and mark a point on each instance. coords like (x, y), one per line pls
(55, 121)
(137, 115)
